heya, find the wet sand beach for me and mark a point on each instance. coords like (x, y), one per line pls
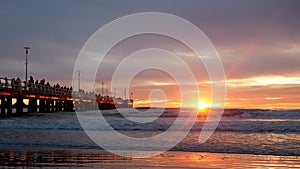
(24, 157)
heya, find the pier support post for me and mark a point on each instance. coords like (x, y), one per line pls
(77, 105)
(19, 104)
(51, 105)
(59, 105)
(32, 105)
(9, 105)
(42, 105)
(55, 106)
(3, 106)
(68, 105)
(47, 107)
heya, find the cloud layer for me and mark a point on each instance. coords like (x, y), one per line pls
(254, 39)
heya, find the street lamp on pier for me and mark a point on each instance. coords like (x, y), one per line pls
(26, 61)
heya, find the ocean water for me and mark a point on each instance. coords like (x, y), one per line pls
(242, 131)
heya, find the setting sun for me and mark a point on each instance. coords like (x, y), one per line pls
(203, 105)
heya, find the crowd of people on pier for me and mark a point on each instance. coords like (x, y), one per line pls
(43, 87)
(37, 86)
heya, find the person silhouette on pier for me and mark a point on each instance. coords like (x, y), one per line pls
(42, 85)
(18, 83)
(37, 85)
(12, 83)
(57, 85)
(31, 81)
(6, 82)
(42, 82)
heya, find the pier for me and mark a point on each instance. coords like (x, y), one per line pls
(18, 96)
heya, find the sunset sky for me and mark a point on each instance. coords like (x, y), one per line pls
(257, 41)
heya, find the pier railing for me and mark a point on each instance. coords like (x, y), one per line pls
(33, 88)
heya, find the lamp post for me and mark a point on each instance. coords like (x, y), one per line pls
(102, 89)
(78, 81)
(26, 62)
